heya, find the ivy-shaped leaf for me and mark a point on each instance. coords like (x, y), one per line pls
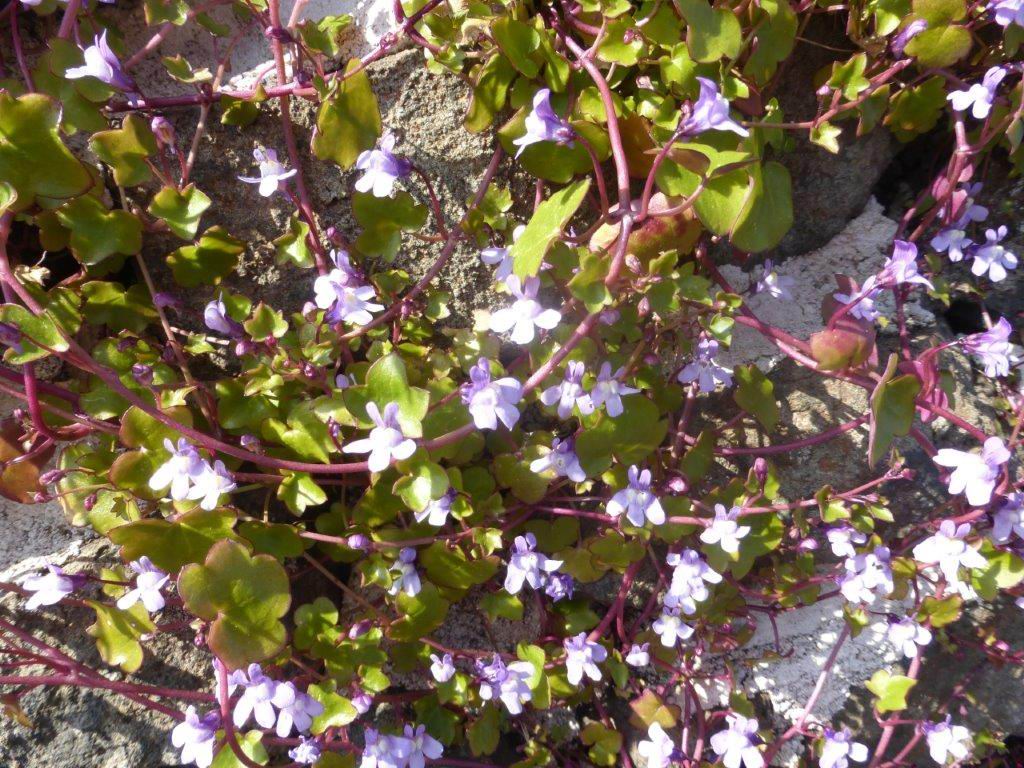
(180, 210)
(349, 120)
(97, 233)
(299, 491)
(126, 150)
(545, 226)
(384, 219)
(293, 245)
(890, 690)
(207, 262)
(892, 410)
(117, 634)
(755, 394)
(171, 545)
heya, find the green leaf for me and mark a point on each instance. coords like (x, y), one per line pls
(545, 226)
(711, 33)
(916, 110)
(604, 743)
(940, 47)
(277, 539)
(630, 437)
(39, 334)
(160, 11)
(826, 135)
(141, 430)
(892, 410)
(251, 746)
(517, 41)
(171, 545)
(388, 382)
(265, 323)
(421, 614)
(325, 35)
(126, 150)
(180, 210)
(849, 76)
(767, 212)
(426, 482)
(97, 233)
(622, 43)
(484, 732)
(293, 245)
(384, 219)
(299, 491)
(112, 305)
(755, 394)
(338, 710)
(515, 474)
(33, 159)
(775, 37)
(1004, 570)
(939, 13)
(490, 93)
(890, 690)
(502, 605)
(117, 634)
(207, 262)
(244, 597)
(699, 458)
(348, 122)
(449, 567)
(181, 70)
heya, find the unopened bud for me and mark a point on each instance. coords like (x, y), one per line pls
(359, 541)
(677, 484)
(359, 629)
(633, 264)
(163, 130)
(761, 471)
(309, 370)
(143, 374)
(52, 476)
(362, 703)
(643, 307)
(251, 443)
(90, 502)
(807, 545)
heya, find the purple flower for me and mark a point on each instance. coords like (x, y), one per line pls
(842, 540)
(1008, 12)
(381, 168)
(490, 401)
(609, 391)
(582, 657)
(166, 300)
(670, 628)
(51, 587)
(992, 348)
(148, 583)
(542, 124)
(386, 442)
(362, 702)
(562, 459)
(273, 174)
(637, 500)
(638, 655)
(949, 551)
(901, 267)
(103, 64)
(179, 472)
(422, 746)
(863, 301)
(866, 575)
(10, 336)
(163, 130)
(978, 98)
(690, 577)
(658, 748)
(992, 257)
(508, 683)
(501, 257)
(307, 752)
(404, 577)
(905, 35)
(559, 586)
(257, 699)
(839, 748)
(710, 113)
(442, 669)
(527, 565)
(737, 744)
(384, 751)
(952, 241)
(908, 636)
(526, 314)
(704, 369)
(1009, 520)
(217, 319)
(295, 709)
(775, 285)
(569, 392)
(437, 510)
(342, 295)
(196, 737)
(963, 200)
(724, 530)
(974, 475)
(211, 484)
(946, 740)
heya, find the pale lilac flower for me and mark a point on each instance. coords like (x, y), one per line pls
(1009, 520)
(949, 550)
(508, 683)
(51, 587)
(690, 577)
(422, 746)
(637, 500)
(362, 702)
(403, 574)
(196, 737)
(974, 475)
(842, 540)
(491, 401)
(979, 97)
(216, 317)
(384, 751)
(273, 174)
(344, 299)
(992, 348)
(148, 583)
(704, 369)
(569, 392)
(559, 586)
(527, 565)
(296, 709)
(737, 744)
(670, 628)
(724, 530)
(863, 301)
(381, 167)
(638, 655)
(657, 748)
(971, 212)
(901, 267)
(908, 636)
(256, 699)
(442, 668)
(952, 241)
(386, 442)
(775, 285)
(179, 472)
(542, 124)
(582, 657)
(908, 33)
(343, 381)
(992, 257)
(526, 314)
(609, 390)
(501, 257)
(710, 113)
(1008, 12)
(946, 740)
(307, 752)
(562, 460)
(211, 484)
(103, 64)
(840, 748)
(866, 576)
(437, 510)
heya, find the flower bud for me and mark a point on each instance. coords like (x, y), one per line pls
(359, 629)
(166, 300)
(761, 471)
(309, 370)
(677, 484)
(90, 502)
(362, 703)
(163, 130)
(52, 476)
(251, 443)
(359, 541)
(10, 335)
(143, 374)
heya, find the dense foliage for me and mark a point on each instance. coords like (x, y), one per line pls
(581, 471)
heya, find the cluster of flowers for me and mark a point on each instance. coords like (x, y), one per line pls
(192, 477)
